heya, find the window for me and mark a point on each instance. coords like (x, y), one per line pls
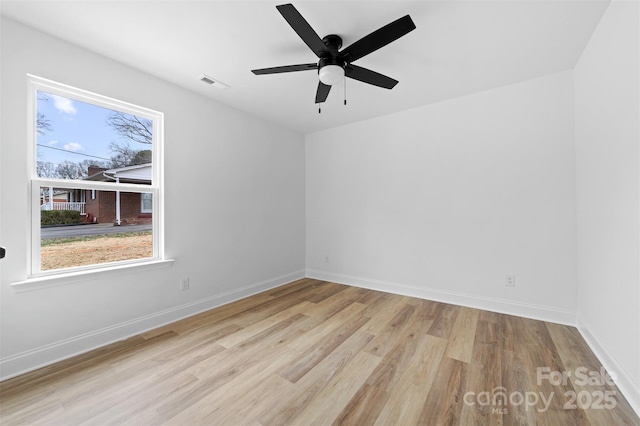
(146, 202)
(96, 180)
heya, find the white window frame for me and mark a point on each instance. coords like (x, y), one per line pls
(156, 188)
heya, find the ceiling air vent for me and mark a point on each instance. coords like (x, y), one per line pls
(212, 81)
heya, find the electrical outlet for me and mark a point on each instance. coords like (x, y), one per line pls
(184, 284)
(511, 281)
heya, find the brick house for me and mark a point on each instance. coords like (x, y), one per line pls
(133, 208)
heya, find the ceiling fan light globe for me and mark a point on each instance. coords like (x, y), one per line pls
(331, 74)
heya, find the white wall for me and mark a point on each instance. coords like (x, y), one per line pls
(234, 209)
(444, 200)
(607, 128)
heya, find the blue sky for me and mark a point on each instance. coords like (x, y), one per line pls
(78, 131)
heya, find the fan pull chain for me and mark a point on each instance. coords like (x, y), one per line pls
(319, 108)
(345, 89)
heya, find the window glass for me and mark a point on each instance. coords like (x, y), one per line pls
(80, 140)
(65, 242)
(146, 205)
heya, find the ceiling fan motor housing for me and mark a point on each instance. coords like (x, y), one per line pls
(330, 61)
(334, 43)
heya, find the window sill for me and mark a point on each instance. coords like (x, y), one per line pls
(55, 280)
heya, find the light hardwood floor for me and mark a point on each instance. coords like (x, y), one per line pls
(313, 352)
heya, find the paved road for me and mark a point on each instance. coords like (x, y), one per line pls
(82, 230)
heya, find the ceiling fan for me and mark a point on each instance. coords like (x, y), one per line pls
(333, 64)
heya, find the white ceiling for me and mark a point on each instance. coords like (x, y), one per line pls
(458, 48)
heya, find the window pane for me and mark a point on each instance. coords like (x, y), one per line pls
(79, 140)
(146, 203)
(78, 230)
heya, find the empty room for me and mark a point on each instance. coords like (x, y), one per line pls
(320, 212)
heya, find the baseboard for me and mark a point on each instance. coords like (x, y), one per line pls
(526, 310)
(629, 387)
(24, 362)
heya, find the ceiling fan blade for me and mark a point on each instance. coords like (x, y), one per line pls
(302, 27)
(377, 39)
(285, 68)
(322, 92)
(367, 76)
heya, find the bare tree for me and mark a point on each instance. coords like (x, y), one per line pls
(46, 169)
(131, 127)
(70, 170)
(43, 124)
(123, 154)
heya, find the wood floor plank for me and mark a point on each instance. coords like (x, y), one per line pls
(290, 406)
(265, 310)
(319, 353)
(285, 289)
(213, 404)
(316, 353)
(429, 308)
(39, 412)
(443, 321)
(518, 376)
(330, 402)
(244, 409)
(387, 338)
(325, 291)
(406, 402)
(330, 306)
(444, 402)
(463, 333)
(368, 402)
(325, 329)
(225, 367)
(121, 406)
(231, 361)
(245, 333)
(382, 312)
(542, 353)
(220, 314)
(484, 375)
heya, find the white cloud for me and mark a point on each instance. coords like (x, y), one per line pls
(73, 146)
(64, 105)
(52, 142)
